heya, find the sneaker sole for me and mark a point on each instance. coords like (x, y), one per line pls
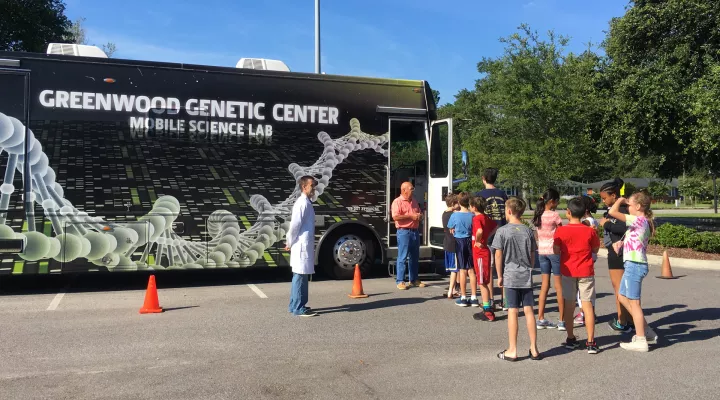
(652, 341)
(474, 305)
(592, 351)
(561, 329)
(615, 329)
(642, 350)
(461, 305)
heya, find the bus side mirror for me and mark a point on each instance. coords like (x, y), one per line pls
(465, 162)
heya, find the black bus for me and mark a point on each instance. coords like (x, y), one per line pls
(124, 165)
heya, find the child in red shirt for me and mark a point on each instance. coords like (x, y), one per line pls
(576, 244)
(482, 228)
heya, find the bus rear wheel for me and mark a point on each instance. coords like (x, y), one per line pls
(343, 250)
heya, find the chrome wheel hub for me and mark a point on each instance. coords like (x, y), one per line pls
(348, 251)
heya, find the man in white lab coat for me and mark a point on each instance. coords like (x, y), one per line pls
(300, 241)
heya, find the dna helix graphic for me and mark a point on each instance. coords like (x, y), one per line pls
(113, 245)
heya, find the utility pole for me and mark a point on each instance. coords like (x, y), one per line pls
(317, 36)
(715, 193)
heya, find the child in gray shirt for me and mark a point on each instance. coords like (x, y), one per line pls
(515, 247)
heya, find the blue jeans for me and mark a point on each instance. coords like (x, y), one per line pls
(631, 282)
(298, 294)
(408, 247)
(549, 263)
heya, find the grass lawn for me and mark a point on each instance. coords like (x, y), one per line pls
(673, 215)
(698, 205)
(686, 215)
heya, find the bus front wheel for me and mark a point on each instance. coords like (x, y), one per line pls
(344, 250)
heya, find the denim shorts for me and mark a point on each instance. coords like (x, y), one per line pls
(549, 263)
(631, 282)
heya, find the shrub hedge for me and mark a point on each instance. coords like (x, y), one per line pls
(669, 235)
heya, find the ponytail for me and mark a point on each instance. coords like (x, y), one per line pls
(539, 210)
(651, 219)
(549, 195)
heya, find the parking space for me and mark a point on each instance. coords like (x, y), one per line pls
(224, 340)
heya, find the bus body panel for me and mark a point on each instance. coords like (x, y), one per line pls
(132, 146)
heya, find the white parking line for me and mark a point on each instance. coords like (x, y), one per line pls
(56, 301)
(257, 291)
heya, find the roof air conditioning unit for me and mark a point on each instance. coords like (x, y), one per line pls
(262, 63)
(70, 49)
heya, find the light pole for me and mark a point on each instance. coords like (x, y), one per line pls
(317, 36)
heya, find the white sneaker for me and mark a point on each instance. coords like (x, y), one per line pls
(651, 336)
(638, 344)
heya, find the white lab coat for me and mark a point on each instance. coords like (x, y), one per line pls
(301, 237)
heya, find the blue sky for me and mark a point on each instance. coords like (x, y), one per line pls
(438, 41)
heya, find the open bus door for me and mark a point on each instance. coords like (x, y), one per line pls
(440, 180)
(14, 119)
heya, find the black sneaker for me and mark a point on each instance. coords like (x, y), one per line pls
(308, 313)
(571, 344)
(592, 347)
(618, 327)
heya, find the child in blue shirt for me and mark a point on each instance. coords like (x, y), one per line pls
(460, 224)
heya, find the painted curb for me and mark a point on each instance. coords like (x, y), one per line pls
(675, 262)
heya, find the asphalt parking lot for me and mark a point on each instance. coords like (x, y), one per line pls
(229, 336)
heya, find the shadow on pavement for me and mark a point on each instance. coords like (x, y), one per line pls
(373, 305)
(677, 327)
(178, 308)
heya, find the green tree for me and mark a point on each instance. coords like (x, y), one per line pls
(658, 189)
(109, 48)
(78, 35)
(692, 187)
(659, 79)
(77, 32)
(29, 25)
(534, 114)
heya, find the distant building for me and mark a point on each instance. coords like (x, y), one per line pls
(640, 183)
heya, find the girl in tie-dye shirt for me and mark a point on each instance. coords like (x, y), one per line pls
(637, 236)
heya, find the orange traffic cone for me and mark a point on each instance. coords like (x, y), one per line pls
(666, 270)
(152, 305)
(357, 290)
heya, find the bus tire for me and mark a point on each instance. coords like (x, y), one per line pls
(346, 247)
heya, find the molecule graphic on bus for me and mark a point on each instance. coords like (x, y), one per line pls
(116, 245)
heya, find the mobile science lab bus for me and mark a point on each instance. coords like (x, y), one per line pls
(119, 165)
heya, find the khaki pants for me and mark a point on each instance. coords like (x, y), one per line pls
(586, 286)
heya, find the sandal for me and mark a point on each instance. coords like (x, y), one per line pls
(538, 358)
(501, 355)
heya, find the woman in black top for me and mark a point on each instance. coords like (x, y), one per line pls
(614, 230)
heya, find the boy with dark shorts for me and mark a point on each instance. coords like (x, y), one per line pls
(515, 248)
(576, 243)
(461, 225)
(449, 243)
(495, 208)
